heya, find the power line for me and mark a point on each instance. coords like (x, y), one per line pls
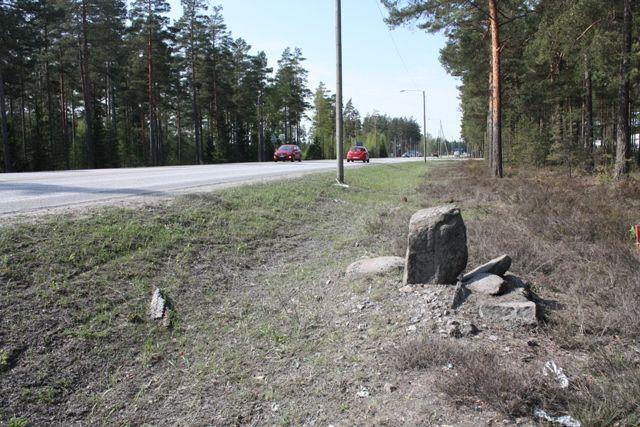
(395, 45)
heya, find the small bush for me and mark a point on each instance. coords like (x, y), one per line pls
(4, 360)
(18, 422)
(481, 375)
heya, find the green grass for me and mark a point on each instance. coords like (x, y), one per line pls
(244, 268)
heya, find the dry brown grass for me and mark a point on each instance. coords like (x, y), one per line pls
(477, 374)
(569, 237)
(391, 226)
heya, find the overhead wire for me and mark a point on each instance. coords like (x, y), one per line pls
(395, 45)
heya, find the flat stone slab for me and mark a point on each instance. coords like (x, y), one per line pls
(376, 266)
(519, 312)
(485, 283)
(498, 266)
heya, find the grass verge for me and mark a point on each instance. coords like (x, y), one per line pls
(247, 272)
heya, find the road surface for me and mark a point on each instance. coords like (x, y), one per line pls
(22, 193)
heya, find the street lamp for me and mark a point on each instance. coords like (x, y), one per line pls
(424, 118)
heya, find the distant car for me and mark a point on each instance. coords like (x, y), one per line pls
(411, 153)
(287, 152)
(358, 153)
(435, 155)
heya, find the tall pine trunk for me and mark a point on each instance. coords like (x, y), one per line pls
(50, 117)
(23, 124)
(621, 167)
(63, 114)
(194, 100)
(86, 92)
(588, 116)
(496, 140)
(8, 160)
(179, 124)
(489, 133)
(153, 120)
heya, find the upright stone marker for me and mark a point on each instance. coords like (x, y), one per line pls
(437, 246)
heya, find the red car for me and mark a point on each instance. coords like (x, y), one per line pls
(358, 153)
(288, 152)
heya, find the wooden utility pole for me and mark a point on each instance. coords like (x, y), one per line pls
(339, 153)
(496, 140)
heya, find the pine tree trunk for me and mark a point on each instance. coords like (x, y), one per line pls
(23, 125)
(194, 102)
(621, 167)
(496, 100)
(179, 124)
(86, 91)
(74, 160)
(63, 114)
(50, 116)
(588, 117)
(153, 121)
(114, 160)
(489, 132)
(8, 160)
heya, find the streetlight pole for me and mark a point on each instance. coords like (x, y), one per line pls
(424, 119)
(339, 154)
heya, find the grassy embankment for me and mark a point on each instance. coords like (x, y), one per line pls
(246, 270)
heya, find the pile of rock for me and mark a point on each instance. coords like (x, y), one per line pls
(437, 254)
(499, 296)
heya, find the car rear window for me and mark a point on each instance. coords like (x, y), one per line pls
(286, 148)
(357, 149)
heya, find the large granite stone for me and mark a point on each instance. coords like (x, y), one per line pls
(437, 246)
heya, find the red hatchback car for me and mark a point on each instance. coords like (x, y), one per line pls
(288, 152)
(358, 153)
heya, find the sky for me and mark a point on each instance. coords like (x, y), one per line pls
(373, 73)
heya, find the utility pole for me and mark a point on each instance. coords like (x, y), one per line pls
(260, 130)
(339, 149)
(424, 119)
(424, 123)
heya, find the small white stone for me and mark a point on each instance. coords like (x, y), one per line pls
(157, 305)
(363, 392)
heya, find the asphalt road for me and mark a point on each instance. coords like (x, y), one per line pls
(23, 193)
